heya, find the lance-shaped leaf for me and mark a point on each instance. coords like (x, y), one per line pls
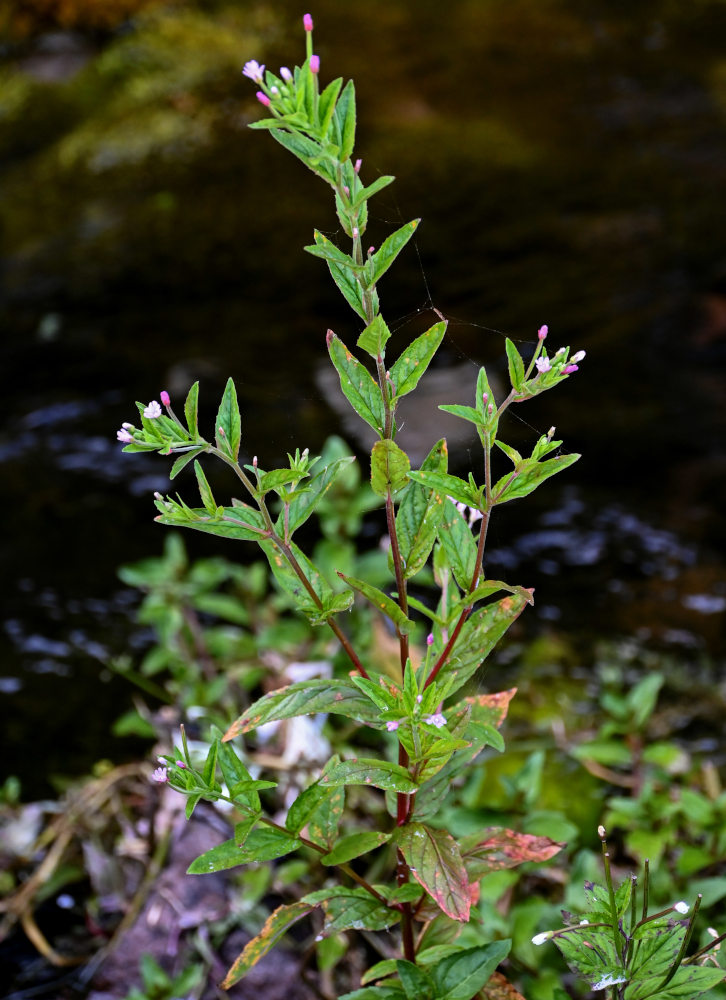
(448, 486)
(339, 696)
(496, 848)
(414, 361)
(353, 909)
(349, 286)
(392, 992)
(480, 635)
(241, 524)
(228, 426)
(235, 773)
(460, 976)
(305, 805)
(434, 860)
(458, 543)
(191, 411)
(344, 121)
(688, 982)
(374, 338)
(420, 513)
(327, 250)
(367, 192)
(275, 927)
(323, 824)
(390, 249)
(381, 602)
(417, 983)
(516, 365)
(358, 386)
(389, 468)
(264, 843)
(326, 104)
(205, 490)
(527, 477)
(369, 771)
(485, 589)
(305, 149)
(291, 583)
(302, 506)
(183, 460)
(353, 845)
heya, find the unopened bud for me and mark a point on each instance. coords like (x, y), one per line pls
(542, 332)
(550, 435)
(355, 232)
(254, 462)
(485, 398)
(220, 431)
(578, 357)
(490, 409)
(158, 496)
(285, 74)
(263, 98)
(430, 639)
(164, 397)
(371, 251)
(570, 369)
(314, 64)
(601, 832)
(358, 164)
(346, 189)
(308, 22)
(681, 907)
(539, 939)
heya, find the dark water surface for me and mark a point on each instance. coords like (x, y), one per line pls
(569, 162)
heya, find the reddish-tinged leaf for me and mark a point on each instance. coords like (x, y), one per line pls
(486, 708)
(496, 848)
(275, 926)
(499, 988)
(435, 862)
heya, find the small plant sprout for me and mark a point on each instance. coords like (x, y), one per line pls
(621, 947)
(426, 723)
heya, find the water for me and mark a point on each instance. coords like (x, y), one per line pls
(567, 165)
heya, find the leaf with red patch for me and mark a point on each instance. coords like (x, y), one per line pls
(434, 860)
(496, 848)
(275, 926)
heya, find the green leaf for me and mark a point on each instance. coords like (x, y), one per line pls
(381, 602)
(446, 485)
(353, 846)
(291, 583)
(264, 843)
(302, 506)
(516, 366)
(688, 982)
(243, 829)
(461, 976)
(327, 250)
(183, 460)
(323, 824)
(304, 149)
(435, 862)
(350, 288)
(414, 361)
(458, 542)
(326, 104)
(419, 515)
(275, 927)
(210, 504)
(480, 635)
(390, 249)
(247, 527)
(358, 386)
(369, 771)
(339, 696)
(305, 805)
(528, 477)
(191, 410)
(417, 983)
(374, 338)
(378, 184)
(228, 425)
(353, 909)
(389, 468)
(387, 992)
(344, 118)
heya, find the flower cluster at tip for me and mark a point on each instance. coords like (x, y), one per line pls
(560, 364)
(278, 92)
(158, 431)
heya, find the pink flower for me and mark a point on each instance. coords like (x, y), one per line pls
(263, 98)
(542, 332)
(164, 397)
(314, 64)
(392, 726)
(308, 22)
(542, 365)
(430, 639)
(254, 71)
(160, 774)
(285, 74)
(570, 369)
(437, 719)
(123, 435)
(181, 764)
(358, 164)
(153, 410)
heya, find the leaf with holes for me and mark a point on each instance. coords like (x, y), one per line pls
(275, 927)
(435, 862)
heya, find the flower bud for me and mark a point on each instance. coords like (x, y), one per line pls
(681, 907)
(314, 64)
(392, 726)
(578, 357)
(601, 832)
(308, 22)
(539, 939)
(358, 164)
(164, 396)
(570, 369)
(430, 639)
(542, 332)
(263, 98)
(285, 74)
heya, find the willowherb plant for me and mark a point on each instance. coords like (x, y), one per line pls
(634, 955)
(433, 518)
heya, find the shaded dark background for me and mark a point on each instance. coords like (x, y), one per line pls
(568, 160)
